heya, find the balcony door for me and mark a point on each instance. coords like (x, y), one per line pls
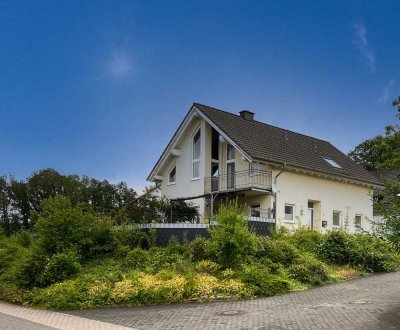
(214, 176)
(230, 167)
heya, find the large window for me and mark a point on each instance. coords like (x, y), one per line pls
(214, 160)
(196, 156)
(172, 176)
(230, 152)
(336, 218)
(289, 212)
(230, 166)
(358, 221)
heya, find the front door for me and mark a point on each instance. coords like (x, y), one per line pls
(311, 215)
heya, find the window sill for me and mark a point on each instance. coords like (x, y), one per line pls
(171, 184)
(289, 221)
(195, 179)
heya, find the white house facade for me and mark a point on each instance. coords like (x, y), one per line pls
(273, 173)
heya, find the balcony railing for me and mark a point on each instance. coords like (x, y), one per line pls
(241, 180)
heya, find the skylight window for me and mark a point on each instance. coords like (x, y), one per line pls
(332, 162)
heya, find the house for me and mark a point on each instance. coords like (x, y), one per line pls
(274, 173)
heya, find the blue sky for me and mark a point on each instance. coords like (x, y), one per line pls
(99, 87)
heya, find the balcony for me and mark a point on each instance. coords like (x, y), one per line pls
(242, 180)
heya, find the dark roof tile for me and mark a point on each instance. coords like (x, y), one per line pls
(273, 144)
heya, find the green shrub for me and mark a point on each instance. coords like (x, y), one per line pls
(98, 293)
(154, 290)
(26, 271)
(102, 237)
(277, 250)
(62, 227)
(64, 295)
(60, 267)
(361, 250)
(308, 270)
(11, 293)
(149, 289)
(262, 283)
(231, 240)
(336, 247)
(130, 236)
(306, 239)
(373, 254)
(174, 247)
(206, 266)
(24, 238)
(198, 249)
(137, 258)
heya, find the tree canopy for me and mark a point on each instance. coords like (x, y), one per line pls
(21, 200)
(382, 151)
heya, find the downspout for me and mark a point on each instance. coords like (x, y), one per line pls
(276, 192)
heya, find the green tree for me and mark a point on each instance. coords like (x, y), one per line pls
(382, 151)
(19, 200)
(388, 205)
(231, 240)
(62, 226)
(5, 205)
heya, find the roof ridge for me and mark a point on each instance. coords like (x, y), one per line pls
(260, 122)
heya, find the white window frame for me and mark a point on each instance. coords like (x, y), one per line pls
(340, 218)
(361, 222)
(170, 183)
(293, 217)
(196, 160)
(228, 162)
(232, 160)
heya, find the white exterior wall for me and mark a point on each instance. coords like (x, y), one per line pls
(327, 195)
(292, 188)
(184, 185)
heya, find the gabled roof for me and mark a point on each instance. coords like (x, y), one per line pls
(272, 144)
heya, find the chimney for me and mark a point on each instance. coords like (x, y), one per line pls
(246, 114)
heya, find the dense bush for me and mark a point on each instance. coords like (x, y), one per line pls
(26, 272)
(131, 237)
(137, 258)
(306, 239)
(361, 250)
(277, 250)
(61, 226)
(112, 266)
(262, 283)
(308, 270)
(336, 247)
(64, 295)
(199, 249)
(231, 242)
(61, 266)
(207, 266)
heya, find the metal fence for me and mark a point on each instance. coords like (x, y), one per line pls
(189, 231)
(238, 181)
